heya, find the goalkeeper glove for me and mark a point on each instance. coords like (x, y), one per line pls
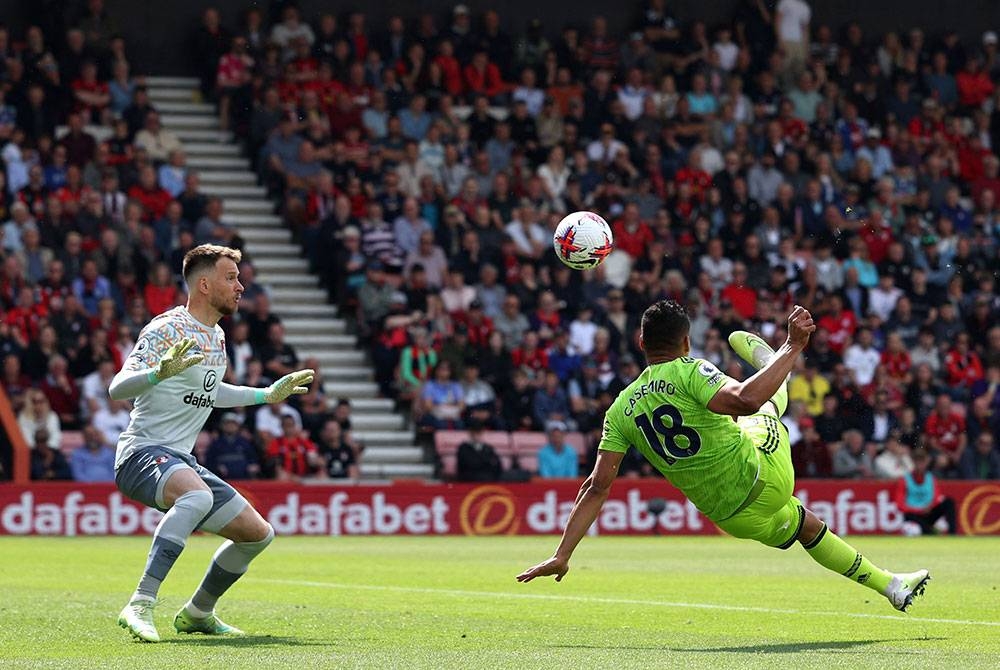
(294, 383)
(176, 361)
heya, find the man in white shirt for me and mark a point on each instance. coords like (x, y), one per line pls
(112, 420)
(633, 94)
(529, 237)
(861, 358)
(791, 26)
(606, 147)
(883, 297)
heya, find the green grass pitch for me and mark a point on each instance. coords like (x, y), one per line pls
(666, 602)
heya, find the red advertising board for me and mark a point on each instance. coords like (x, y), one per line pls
(415, 508)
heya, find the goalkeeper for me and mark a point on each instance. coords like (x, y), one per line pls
(175, 373)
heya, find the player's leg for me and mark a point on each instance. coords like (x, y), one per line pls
(833, 553)
(757, 353)
(247, 535)
(160, 479)
(777, 519)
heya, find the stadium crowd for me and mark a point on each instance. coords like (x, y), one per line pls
(744, 166)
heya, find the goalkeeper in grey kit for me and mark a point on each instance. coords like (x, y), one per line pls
(175, 373)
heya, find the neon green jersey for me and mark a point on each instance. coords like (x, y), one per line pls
(664, 414)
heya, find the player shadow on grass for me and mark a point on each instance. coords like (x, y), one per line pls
(245, 641)
(798, 647)
(784, 648)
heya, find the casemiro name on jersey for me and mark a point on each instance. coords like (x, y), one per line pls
(663, 386)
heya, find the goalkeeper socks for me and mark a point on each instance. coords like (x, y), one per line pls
(230, 562)
(833, 553)
(169, 538)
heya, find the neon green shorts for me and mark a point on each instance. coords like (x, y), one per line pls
(772, 515)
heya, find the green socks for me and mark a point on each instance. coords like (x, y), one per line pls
(834, 554)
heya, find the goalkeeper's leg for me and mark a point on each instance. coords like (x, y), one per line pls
(757, 353)
(248, 534)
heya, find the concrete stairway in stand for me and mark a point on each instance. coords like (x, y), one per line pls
(312, 325)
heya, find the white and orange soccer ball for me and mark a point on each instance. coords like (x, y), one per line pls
(583, 240)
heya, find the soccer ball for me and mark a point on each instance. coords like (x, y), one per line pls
(583, 240)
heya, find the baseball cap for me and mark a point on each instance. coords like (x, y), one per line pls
(806, 422)
(476, 304)
(232, 416)
(990, 37)
(875, 133)
(460, 9)
(555, 425)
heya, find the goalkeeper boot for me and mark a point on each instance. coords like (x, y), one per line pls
(210, 625)
(751, 348)
(137, 619)
(905, 587)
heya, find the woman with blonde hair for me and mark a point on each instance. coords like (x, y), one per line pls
(37, 413)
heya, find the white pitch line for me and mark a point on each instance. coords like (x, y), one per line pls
(618, 601)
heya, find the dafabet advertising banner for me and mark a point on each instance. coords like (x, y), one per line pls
(635, 507)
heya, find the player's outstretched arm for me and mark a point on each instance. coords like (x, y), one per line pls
(747, 397)
(588, 505)
(135, 378)
(294, 383)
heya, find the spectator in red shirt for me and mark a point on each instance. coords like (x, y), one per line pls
(80, 145)
(546, 320)
(896, 360)
(62, 392)
(154, 200)
(877, 234)
(91, 95)
(602, 51)
(233, 77)
(945, 432)
(530, 355)
(962, 364)
(631, 233)
(974, 85)
(345, 115)
(160, 292)
(742, 297)
(479, 325)
(989, 180)
(483, 77)
(693, 175)
(293, 454)
(839, 322)
(451, 69)
(811, 455)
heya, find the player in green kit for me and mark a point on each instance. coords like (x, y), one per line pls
(679, 414)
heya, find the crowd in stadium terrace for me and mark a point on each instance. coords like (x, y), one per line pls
(745, 165)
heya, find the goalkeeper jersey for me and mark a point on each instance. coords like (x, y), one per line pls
(664, 414)
(172, 413)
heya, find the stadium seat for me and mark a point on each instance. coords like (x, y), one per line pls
(446, 443)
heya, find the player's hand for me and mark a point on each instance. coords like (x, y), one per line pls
(800, 327)
(553, 566)
(294, 383)
(176, 360)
